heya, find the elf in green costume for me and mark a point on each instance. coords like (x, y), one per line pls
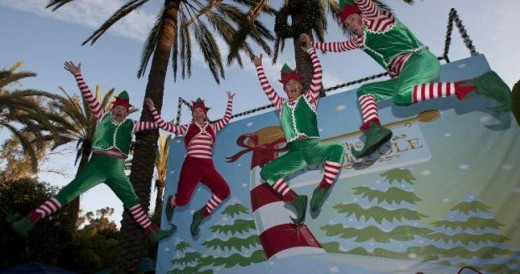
(110, 148)
(298, 120)
(412, 67)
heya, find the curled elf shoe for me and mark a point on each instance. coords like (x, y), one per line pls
(22, 226)
(492, 86)
(155, 234)
(300, 205)
(198, 217)
(375, 136)
(12, 217)
(318, 197)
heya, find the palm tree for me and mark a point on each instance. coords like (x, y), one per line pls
(172, 36)
(24, 115)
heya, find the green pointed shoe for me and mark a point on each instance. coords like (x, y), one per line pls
(492, 86)
(22, 226)
(195, 223)
(11, 218)
(318, 197)
(376, 136)
(157, 235)
(300, 205)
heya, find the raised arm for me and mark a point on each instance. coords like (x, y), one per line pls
(168, 126)
(144, 125)
(218, 125)
(351, 44)
(315, 87)
(269, 91)
(85, 90)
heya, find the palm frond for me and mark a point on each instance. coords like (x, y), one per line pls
(10, 77)
(56, 4)
(26, 145)
(118, 15)
(202, 11)
(150, 44)
(210, 51)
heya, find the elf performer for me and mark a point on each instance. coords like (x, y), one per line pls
(110, 148)
(298, 119)
(199, 139)
(413, 69)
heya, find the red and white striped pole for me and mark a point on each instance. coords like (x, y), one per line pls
(279, 236)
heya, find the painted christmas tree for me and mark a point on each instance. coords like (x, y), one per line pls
(514, 261)
(235, 241)
(382, 221)
(470, 235)
(187, 260)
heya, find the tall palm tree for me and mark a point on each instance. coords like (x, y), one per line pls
(24, 115)
(172, 36)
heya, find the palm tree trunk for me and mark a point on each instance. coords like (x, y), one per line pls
(303, 60)
(133, 243)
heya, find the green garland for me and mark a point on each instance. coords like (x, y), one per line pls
(311, 8)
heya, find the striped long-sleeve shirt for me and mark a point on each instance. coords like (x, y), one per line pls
(312, 95)
(201, 145)
(98, 110)
(374, 19)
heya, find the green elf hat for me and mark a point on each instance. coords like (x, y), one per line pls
(290, 74)
(122, 100)
(199, 104)
(347, 8)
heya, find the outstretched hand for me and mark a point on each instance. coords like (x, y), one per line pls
(149, 102)
(230, 95)
(72, 68)
(257, 60)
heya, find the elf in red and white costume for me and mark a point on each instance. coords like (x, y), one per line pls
(413, 68)
(199, 139)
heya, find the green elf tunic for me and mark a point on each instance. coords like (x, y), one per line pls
(300, 127)
(101, 168)
(384, 47)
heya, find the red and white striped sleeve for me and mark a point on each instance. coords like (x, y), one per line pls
(317, 73)
(218, 125)
(376, 19)
(368, 8)
(350, 44)
(269, 91)
(144, 125)
(168, 126)
(91, 100)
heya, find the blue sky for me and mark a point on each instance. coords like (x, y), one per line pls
(45, 39)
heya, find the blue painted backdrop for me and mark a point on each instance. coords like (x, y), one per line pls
(443, 194)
